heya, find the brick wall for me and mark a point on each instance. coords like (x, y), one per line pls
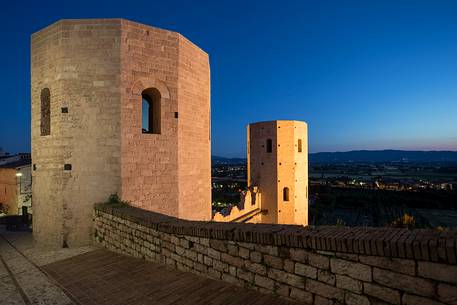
(324, 265)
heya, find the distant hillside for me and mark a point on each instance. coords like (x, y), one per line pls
(384, 156)
(366, 156)
(231, 161)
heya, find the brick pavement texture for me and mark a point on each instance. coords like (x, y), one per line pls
(22, 282)
(104, 277)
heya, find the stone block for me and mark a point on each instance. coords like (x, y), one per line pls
(289, 266)
(283, 290)
(354, 270)
(324, 290)
(207, 260)
(220, 266)
(204, 241)
(232, 260)
(318, 300)
(348, 256)
(191, 255)
(355, 299)
(201, 268)
(305, 270)
(404, 282)
(232, 270)
(298, 255)
(319, 261)
(200, 248)
(273, 261)
(284, 252)
(231, 279)
(264, 282)
(409, 299)
(383, 293)
(249, 246)
(267, 249)
(243, 252)
(326, 277)
(438, 272)
(256, 268)
(232, 250)
(256, 257)
(219, 245)
(214, 254)
(399, 265)
(345, 282)
(301, 295)
(214, 273)
(287, 278)
(245, 275)
(447, 293)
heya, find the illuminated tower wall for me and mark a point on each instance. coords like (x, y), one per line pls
(278, 166)
(89, 78)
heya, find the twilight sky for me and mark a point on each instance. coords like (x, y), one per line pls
(362, 74)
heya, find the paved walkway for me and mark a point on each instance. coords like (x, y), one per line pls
(90, 276)
(22, 281)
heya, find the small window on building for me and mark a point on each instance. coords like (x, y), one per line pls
(150, 111)
(269, 145)
(45, 121)
(285, 194)
(300, 148)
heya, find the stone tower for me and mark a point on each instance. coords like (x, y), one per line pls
(117, 107)
(278, 166)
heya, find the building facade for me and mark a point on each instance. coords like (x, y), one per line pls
(117, 107)
(16, 187)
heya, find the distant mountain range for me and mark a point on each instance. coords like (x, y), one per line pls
(384, 156)
(231, 161)
(366, 156)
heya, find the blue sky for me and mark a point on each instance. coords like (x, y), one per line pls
(362, 74)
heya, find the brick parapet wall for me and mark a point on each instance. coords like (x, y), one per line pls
(323, 265)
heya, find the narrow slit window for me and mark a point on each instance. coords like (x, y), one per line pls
(285, 194)
(151, 111)
(45, 120)
(300, 148)
(269, 145)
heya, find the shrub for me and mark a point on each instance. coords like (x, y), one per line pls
(406, 221)
(115, 200)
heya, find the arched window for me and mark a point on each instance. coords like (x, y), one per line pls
(285, 194)
(45, 120)
(300, 148)
(269, 145)
(150, 111)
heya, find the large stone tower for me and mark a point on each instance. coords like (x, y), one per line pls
(278, 166)
(117, 107)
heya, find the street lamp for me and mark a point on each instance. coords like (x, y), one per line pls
(19, 176)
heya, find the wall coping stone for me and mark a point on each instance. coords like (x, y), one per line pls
(419, 244)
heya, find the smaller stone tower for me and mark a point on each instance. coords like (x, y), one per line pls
(278, 166)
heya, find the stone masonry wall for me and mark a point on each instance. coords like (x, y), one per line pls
(324, 265)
